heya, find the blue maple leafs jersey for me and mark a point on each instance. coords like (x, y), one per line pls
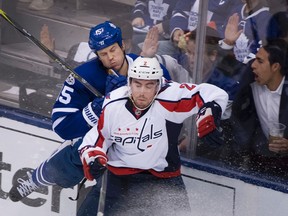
(154, 12)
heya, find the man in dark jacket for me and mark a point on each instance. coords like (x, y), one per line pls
(262, 99)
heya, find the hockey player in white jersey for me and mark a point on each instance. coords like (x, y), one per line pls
(136, 141)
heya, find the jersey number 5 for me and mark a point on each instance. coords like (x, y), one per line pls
(65, 96)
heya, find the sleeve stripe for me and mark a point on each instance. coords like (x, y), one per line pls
(89, 116)
(184, 105)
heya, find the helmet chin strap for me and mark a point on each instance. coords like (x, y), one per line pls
(141, 109)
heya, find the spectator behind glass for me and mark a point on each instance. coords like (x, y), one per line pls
(253, 19)
(263, 98)
(185, 16)
(149, 13)
(216, 73)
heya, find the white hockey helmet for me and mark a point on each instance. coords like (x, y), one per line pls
(146, 68)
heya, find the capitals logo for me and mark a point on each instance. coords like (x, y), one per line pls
(136, 137)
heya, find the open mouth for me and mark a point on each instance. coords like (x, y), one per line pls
(256, 77)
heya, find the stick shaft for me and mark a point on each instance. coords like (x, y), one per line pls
(102, 197)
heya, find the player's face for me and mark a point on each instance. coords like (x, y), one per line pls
(143, 91)
(112, 56)
(208, 60)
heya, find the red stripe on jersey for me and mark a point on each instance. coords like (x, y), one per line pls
(100, 126)
(131, 171)
(184, 105)
(165, 174)
(124, 170)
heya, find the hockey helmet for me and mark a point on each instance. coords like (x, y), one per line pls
(104, 35)
(145, 68)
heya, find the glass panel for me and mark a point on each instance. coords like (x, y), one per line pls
(31, 81)
(242, 140)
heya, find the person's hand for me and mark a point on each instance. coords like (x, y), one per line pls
(138, 22)
(96, 105)
(208, 122)
(114, 81)
(278, 145)
(94, 162)
(183, 41)
(151, 43)
(159, 26)
(231, 31)
(208, 118)
(46, 38)
(176, 35)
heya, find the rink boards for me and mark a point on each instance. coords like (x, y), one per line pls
(25, 146)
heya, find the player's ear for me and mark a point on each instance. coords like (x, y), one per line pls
(276, 66)
(123, 45)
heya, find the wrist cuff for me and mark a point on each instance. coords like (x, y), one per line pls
(225, 46)
(89, 115)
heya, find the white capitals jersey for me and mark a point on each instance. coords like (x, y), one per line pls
(147, 140)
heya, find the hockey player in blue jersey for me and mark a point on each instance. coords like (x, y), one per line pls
(77, 109)
(136, 139)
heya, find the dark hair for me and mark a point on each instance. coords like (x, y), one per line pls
(277, 50)
(277, 26)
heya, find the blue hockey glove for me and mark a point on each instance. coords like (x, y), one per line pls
(208, 118)
(113, 82)
(94, 162)
(96, 105)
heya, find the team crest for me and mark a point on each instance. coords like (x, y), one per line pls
(70, 80)
(242, 47)
(99, 31)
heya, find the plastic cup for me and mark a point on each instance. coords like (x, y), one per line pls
(276, 130)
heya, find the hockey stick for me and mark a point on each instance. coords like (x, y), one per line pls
(51, 54)
(102, 197)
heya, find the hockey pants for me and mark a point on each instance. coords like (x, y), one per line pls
(63, 168)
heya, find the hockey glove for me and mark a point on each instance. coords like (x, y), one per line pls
(113, 82)
(94, 162)
(96, 105)
(208, 118)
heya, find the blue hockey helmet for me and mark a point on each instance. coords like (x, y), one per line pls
(104, 35)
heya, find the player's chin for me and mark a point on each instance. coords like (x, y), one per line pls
(141, 104)
(115, 67)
